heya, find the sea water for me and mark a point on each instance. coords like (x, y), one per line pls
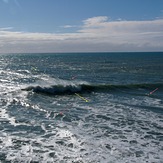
(81, 107)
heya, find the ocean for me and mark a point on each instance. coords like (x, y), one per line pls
(81, 108)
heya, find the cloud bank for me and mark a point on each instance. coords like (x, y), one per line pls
(96, 34)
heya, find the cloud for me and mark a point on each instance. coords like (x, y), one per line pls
(96, 34)
(6, 28)
(138, 32)
(95, 21)
(69, 26)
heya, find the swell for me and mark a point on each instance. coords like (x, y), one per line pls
(88, 88)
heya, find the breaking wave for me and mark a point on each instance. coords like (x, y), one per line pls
(62, 89)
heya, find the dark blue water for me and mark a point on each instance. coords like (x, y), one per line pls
(83, 107)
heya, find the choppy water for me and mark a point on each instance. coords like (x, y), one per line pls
(81, 108)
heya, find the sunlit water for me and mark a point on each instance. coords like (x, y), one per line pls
(81, 108)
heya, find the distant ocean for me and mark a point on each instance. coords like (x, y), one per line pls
(81, 108)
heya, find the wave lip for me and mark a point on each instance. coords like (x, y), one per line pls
(62, 89)
(55, 90)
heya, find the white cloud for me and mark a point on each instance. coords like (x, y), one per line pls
(69, 26)
(95, 21)
(96, 34)
(6, 28)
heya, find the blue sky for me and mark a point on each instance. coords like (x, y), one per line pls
(81, 25)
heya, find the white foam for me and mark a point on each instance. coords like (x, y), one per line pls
(106, 129)
(5, 116)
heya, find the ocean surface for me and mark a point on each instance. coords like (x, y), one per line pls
(81, 108)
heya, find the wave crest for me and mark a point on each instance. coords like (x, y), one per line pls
(87, 88)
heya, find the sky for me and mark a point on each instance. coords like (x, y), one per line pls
(40, 26)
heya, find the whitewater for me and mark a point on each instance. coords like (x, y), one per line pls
(81, 107)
